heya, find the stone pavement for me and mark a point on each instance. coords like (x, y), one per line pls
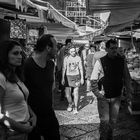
(85, 124)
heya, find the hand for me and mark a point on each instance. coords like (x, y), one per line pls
(33, 120)
(99, 94)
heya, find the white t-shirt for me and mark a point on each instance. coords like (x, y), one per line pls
(72, 65)
(14, 101)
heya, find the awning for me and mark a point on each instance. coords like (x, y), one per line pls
(16, 5)
(75, 31)
(52, 12)
(123, 12)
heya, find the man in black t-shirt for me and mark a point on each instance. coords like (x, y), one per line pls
(39, 78)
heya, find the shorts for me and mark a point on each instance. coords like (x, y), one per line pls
(73, 80)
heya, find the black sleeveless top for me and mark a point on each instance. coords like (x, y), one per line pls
(113, 75)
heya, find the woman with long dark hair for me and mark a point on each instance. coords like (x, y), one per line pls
(16, 117)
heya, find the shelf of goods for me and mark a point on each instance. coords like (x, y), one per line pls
(133, 60)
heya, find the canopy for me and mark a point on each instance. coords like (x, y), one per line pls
(42, 5)
(55, 14)
(75, 31)
(16, 5)
(123, 12)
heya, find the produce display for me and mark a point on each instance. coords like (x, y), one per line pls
(133, 61)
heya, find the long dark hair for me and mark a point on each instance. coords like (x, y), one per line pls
(5, 67)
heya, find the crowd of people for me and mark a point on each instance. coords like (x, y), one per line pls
(102, 67)
(27, 83)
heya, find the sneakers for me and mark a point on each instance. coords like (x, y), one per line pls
(75, 111)
(69, 109)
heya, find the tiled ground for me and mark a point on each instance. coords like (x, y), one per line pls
(84, 125)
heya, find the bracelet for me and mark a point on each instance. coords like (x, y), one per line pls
(1, 116)
(5, 121)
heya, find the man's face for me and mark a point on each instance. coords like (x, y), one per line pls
(112, 50)
(53, 50)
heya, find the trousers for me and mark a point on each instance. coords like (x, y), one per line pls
(108, 112)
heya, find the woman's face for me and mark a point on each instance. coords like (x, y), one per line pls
(15, 56)
(72, 51)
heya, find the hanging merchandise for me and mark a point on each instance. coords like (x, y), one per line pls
(18, 29)
(33, 36)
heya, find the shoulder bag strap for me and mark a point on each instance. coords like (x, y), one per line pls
(21, 91)
(3, 106)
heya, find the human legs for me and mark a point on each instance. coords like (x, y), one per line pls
(88, 88)
(114, 111)
(76, 98)
(69, 98)
(108, 112)
(49, 127)
(103, 109)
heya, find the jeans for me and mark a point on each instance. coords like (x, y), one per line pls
(108, 112)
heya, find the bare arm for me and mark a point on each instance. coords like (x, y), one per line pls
(64, 70)
(95, 76)
(2, 92)
(81, 68)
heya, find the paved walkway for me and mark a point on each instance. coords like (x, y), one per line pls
(85, 124)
